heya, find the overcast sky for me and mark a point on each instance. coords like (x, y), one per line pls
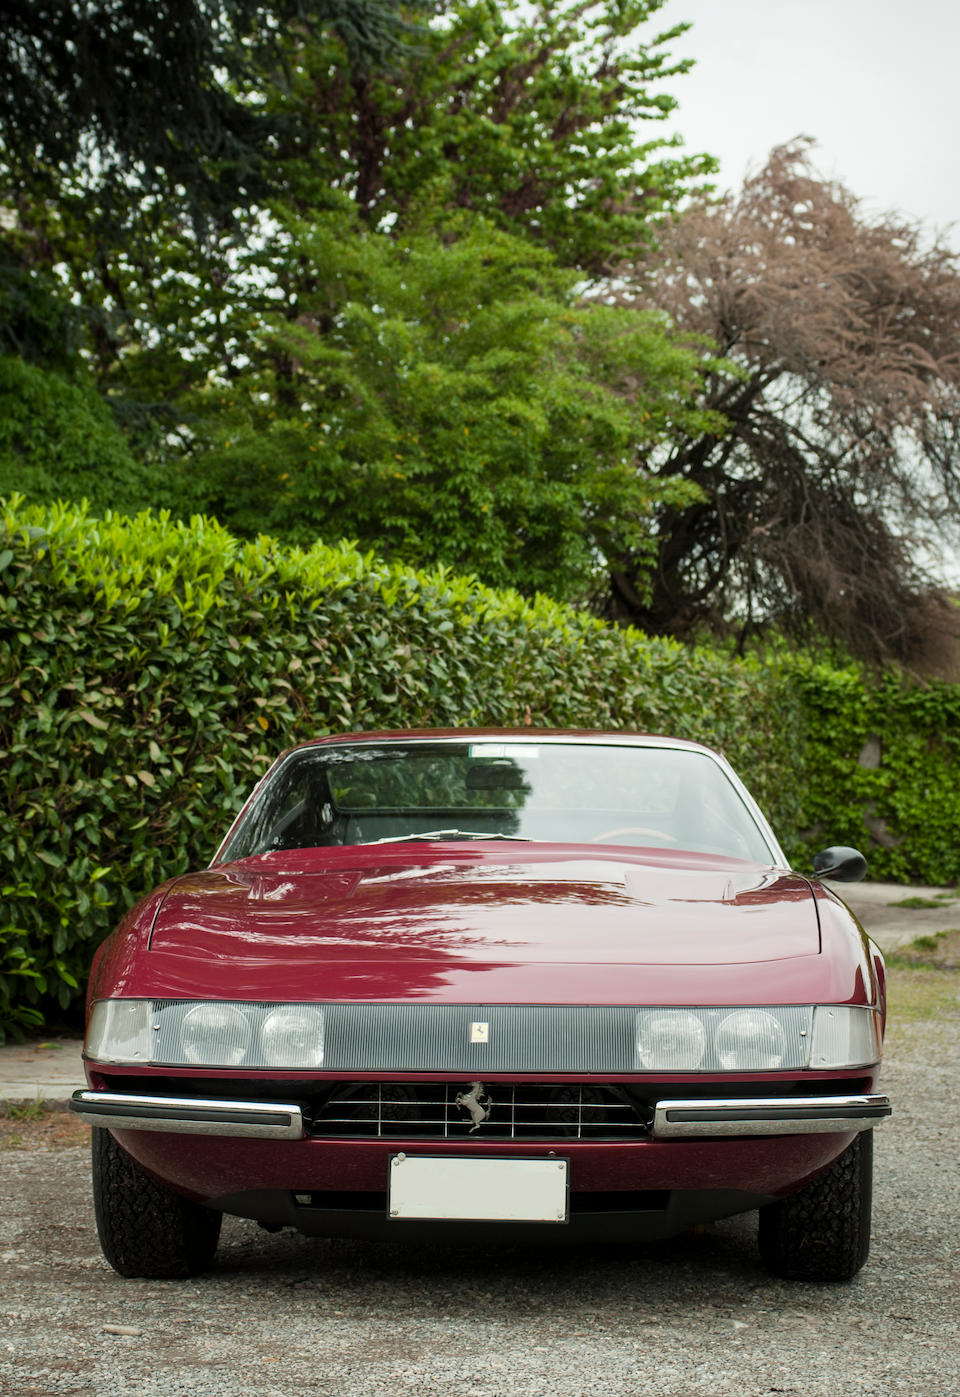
(876, 82)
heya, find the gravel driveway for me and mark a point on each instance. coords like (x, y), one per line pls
(285, 1315)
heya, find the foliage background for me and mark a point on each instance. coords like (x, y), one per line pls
(150, 669)
(340, 294)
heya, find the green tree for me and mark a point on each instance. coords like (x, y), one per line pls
(529, 119)
(535, 117)
(450, 401)
(385, 345)
(134, 142)
(156, 94)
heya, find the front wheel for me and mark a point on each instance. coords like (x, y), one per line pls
(144, 1229)
(822, 1233)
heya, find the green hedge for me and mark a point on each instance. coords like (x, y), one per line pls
(150, 669)
(881, 763)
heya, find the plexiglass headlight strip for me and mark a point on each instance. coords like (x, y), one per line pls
(184, 1033)
(191, 1033)
(784, 1038)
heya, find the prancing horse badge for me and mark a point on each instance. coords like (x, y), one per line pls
(479, 1032)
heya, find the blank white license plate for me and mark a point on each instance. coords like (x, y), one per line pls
(489, 1190)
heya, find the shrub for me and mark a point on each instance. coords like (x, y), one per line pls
(881, 762)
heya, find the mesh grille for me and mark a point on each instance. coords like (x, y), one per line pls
(438, 1038)
(471, 1110)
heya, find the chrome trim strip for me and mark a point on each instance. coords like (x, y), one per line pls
(767, 1115)
(189, 1115)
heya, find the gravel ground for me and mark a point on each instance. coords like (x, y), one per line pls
(284, 1315)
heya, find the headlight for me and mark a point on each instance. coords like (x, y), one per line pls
(209, 1033)
(775, 1038)
(293, 1033)
(215, 1035)
(673, 1041)
(750, 1040)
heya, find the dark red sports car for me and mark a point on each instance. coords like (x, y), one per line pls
(487, 983)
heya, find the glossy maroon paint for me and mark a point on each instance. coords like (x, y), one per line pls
(519, 924)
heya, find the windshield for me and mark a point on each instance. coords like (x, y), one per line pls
(370, 792)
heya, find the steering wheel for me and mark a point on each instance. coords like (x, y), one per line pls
(633, 829)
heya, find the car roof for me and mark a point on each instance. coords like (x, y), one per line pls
(585, 735)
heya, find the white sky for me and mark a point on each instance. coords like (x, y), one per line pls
(876, 82)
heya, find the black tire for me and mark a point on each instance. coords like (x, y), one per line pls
(822, 1233)
(144, 1229)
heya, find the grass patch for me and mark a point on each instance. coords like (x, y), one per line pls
(936, 903)
(937, 950)
(41, 1128)
(918, 992)
(25, 1110)
(929, 943)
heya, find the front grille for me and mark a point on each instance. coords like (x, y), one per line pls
(558, 1039)
(473, 1111)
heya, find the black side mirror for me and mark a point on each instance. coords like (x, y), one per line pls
(842, 864)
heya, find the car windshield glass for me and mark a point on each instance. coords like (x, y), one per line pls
(371, 792)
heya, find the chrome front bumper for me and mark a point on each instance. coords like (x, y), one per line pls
(688, 1118)
(189, 1115)
(767, 1115)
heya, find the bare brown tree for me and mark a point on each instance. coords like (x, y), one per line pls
(838, 483)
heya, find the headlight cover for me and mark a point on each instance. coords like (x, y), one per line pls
(209, 1033)
(206, 1033)
(293, 1033)
(291, 1037)
(751, 1040)
(774, 1038)
(119, 1031)
(674, 1036)
(844, 1036)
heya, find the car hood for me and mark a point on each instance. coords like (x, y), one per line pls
(371, 922)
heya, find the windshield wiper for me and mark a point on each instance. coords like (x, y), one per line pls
(447, 834)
